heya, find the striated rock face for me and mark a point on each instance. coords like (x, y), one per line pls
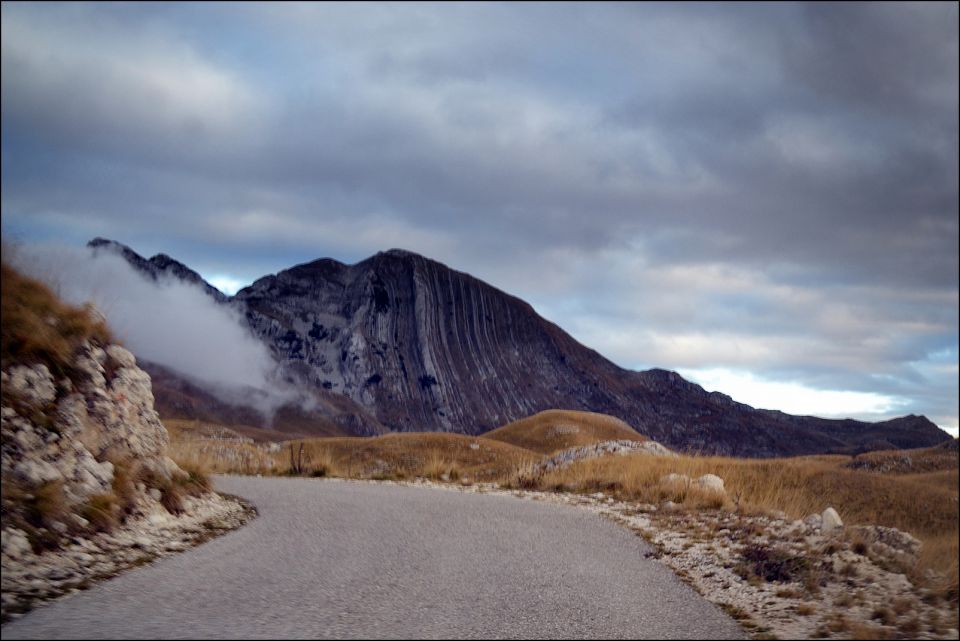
(68, 431)
(418, 346)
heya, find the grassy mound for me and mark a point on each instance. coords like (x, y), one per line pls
(555, 430)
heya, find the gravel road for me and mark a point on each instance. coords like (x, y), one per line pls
(345, 560)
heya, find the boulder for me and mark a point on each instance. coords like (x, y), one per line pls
(14, 543)
(32, 384)
(620, 447)
(711, 482)
(119, 357)
(830, 520)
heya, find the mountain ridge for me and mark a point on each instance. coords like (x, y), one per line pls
(424, 347)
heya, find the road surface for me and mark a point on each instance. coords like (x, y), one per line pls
(335, 559)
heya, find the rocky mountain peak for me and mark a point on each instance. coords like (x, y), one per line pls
(157, 266)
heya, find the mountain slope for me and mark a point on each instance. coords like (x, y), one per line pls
(422, 347)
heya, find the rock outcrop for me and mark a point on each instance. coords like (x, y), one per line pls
(621, 448)
(88, 488)
(71, 431)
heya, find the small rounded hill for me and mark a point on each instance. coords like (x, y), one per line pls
(554, 430)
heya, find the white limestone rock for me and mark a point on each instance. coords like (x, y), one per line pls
(711, 482)
(119, 357)
(830, 520)
(32, 384)
(14, 543)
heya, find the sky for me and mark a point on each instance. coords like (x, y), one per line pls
(763, 197)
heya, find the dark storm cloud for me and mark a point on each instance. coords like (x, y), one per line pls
(778, 177)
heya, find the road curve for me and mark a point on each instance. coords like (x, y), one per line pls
(336, 559)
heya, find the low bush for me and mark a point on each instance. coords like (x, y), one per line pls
(771, 564)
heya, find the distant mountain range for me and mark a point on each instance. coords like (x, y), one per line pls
(399, 342)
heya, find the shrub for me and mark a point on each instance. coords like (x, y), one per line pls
(103, 512)
(771, 564)
(173, 490)
(528, 476)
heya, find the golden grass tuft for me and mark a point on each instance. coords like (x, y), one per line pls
(103, 511)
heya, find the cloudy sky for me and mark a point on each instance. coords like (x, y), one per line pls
(762, 197)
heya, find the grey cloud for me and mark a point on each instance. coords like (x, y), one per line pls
(813, 144)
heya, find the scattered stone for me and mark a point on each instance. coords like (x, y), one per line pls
(813, 521)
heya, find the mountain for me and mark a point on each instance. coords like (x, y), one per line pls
(422, 347)
(158, 266)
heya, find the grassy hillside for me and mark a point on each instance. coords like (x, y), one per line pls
(403, 455)
(38, 327)
(555, 430)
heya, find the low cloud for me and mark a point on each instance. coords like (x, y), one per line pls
(167, 322)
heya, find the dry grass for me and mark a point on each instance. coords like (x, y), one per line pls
(215, 449)
(865, 631)
(102, 511)
(407, 455)
(555, 430)
(38, 328)
(392, 456)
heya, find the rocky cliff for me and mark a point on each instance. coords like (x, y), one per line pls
(83, 458)
(71, 432)
(422, 347)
